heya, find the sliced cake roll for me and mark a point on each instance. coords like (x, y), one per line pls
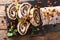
(23, 27)
(24, 9)
(34, 17)
(11, 11)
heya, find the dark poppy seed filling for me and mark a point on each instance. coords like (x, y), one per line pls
(36, 16)
(21, 28)
(24, 9)
(12, 8)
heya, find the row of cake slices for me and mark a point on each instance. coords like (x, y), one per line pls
(35, 16)
(25, 12)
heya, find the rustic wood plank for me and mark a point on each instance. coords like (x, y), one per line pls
(3, 34)
(2, 10)
(29, 38)
(38, 38)
(2, 17)
(48, 36)
(3, 23)
(53, 36)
